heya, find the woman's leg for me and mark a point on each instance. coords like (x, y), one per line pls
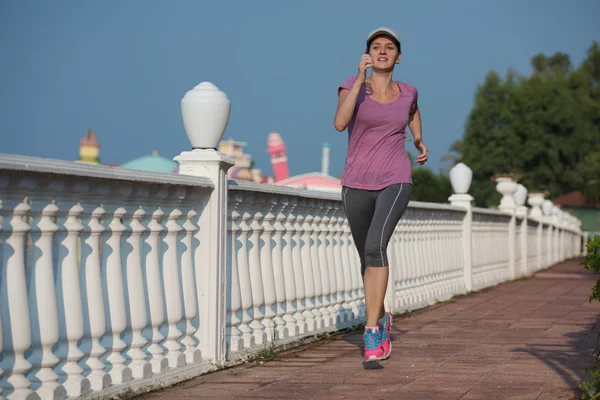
(390, 204)
(360, 207)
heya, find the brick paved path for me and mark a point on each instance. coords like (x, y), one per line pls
(528, 339)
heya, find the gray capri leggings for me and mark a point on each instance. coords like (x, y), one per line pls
(373, 216)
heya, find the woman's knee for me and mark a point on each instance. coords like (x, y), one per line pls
(375, 255)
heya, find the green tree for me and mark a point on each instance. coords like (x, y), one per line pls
(427, 186)
(544, 127)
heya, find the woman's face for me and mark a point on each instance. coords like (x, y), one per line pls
(384, 53)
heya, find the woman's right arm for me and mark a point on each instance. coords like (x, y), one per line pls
(346, 104)
(347, 97)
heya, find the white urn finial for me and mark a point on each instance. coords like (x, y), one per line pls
(535, 201)
(460, 178)
(205, 112)
(520, 195)
(507, 187)
(547, 206)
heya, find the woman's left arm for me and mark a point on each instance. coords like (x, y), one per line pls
(415, 126)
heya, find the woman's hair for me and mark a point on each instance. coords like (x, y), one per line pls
(387, 36)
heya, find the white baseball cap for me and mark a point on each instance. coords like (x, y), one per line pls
(383, 31)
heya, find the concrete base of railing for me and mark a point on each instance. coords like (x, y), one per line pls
(166, 379)
(182, 374)
(280, 345)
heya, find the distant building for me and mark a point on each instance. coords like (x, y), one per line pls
(311, 181)
(279, 161)
(89, 148)
(152, 163)
(243, 169)
(89, 152)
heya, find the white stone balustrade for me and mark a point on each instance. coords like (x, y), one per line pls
(114, 280)
(87, 251)
(106, 269)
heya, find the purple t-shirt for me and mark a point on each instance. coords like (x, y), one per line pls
(376, 155)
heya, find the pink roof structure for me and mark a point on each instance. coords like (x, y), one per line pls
(312, 181)
(321, 181)
(90, 139)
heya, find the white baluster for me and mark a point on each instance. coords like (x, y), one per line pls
(353, 262)
(549, 237)
(243, 270)
(360, 290)
(349, 272)
(422, 257)
(14, 305)
(190, 307)
(392, 262)
(422, 252)
(69, 300)
(172, 290)
(413, 261)
(1, 264)
(115, 298)
(234, 335)
(429, 248)
(1, 338)
(93, 300)
(154, 294)
(327, 310)
(311, 242)
(298, 268)
(341, 265)
(399, 265)
(266, 267)
(293, 320)
(44, 314)
(446, 243)
(402, 265)
(255, 274)
(334, 307)
(404, 262)
(140, 367)
(283, 329)
(304, 232)
(439, 232)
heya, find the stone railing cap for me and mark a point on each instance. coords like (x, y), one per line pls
(315, 194)
(18, 163)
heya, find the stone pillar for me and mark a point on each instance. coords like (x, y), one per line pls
(460, 178)
(209, 257)
(205, 111)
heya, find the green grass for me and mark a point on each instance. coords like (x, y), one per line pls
(269, 350)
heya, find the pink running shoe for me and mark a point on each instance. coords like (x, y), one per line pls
(373, 347)
(385, 330)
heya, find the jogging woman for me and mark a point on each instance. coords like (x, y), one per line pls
(377, 179)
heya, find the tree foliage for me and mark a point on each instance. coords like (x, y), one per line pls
(430, 187)
(544, 127)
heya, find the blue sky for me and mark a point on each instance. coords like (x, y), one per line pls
(122, 67)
